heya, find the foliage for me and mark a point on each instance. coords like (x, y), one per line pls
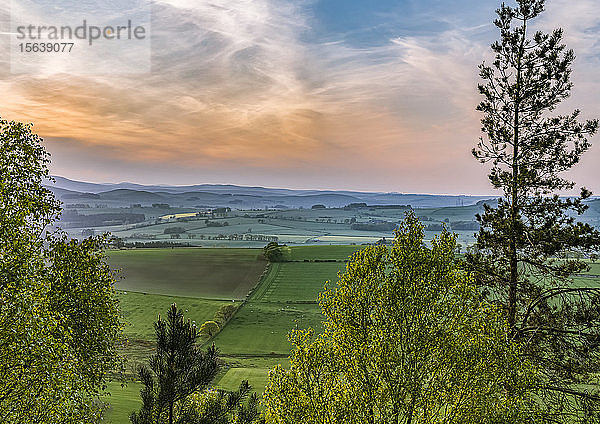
(521, 239)
(178, 369)
(221, 407)
(59, 321)
(407, 340)
(372, 226)
(224, 314)
(275, 252)
(174, 230)
(209, 329)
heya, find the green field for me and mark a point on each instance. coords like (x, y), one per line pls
(140, 311)
(338, 253)
(285, 298)
(255, 339)
(122, 401)
(202, 280)
(260, 329)
(257, 377)
(191, 272)
(296, 281)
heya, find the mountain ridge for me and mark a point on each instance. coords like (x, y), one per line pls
(245, 196)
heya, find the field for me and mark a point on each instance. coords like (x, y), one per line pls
(191, 272)
(257, 377)
(255, 339)
(122, 401)
(296, 227)
(141, 310)
(296, 282)
(286, 297)
(200, 281)
(273, 300)
(260, 329)
(338, 253)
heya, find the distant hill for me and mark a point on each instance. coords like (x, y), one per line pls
(239, 197)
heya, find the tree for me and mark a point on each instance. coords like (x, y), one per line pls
(224, 314)
(222, 407)
(178, 369)
(59, 320)
(407, 340)
(275, 252)
(209, 329)
(520, 241)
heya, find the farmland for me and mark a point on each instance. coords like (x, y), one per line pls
(203, 273)
(204, 279)
(255, 339)
(253, 228)
(141, 310)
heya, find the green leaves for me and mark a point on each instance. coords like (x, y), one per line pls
(407, 339)
(275, 252)
(59, 322)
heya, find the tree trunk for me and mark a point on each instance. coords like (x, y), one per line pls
(514, 263)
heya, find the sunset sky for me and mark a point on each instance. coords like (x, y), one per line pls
(331, 94)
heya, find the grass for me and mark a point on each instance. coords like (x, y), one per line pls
(285, 298)
(338, 253)
(260, 329)
(257, 377)
(296, 281)
(140, 311)
(191, 272)
(122, 400)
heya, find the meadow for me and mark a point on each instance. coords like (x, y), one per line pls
(274, 298)
(191, 272)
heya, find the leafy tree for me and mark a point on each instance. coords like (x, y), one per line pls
(521, 239)
(178, 369)
(222, 407)
(59, 321)
(224, 314)
(209, 328)
(275, 252)
(407, 340)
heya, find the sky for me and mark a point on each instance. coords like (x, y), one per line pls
(322, 94)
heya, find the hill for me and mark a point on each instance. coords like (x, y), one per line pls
(241, 197)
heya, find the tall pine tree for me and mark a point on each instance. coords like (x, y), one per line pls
(178, 369)
(528, 246)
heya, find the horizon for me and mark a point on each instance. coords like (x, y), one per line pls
(308, 95)
(490, 195)
(271, 188)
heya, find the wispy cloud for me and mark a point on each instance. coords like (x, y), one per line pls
(241, 86)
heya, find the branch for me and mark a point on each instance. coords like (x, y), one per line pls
(555, 292)
(558, 330)
(585, 395)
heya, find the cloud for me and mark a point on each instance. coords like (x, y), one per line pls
(239, 85)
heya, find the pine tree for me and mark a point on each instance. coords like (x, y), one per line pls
(528, 244)
(178, 369)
